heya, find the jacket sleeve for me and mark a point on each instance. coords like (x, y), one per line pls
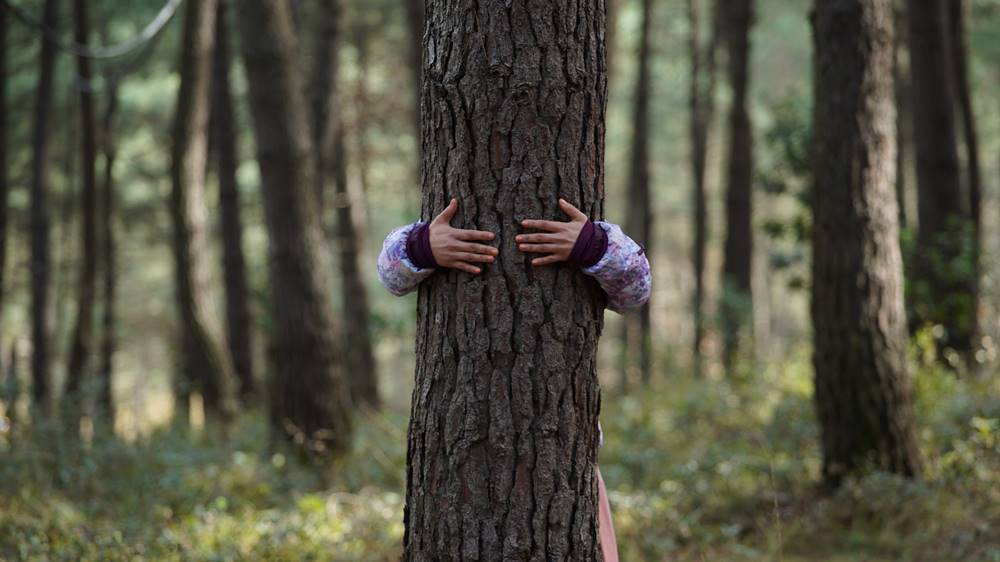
(395, 270)
(623, 272)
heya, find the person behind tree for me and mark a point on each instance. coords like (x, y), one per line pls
(413, 252)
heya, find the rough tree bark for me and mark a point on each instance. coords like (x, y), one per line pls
(736, 309)
(503, 432)
(702, 112)
(941, 288)
(81, 346)
(41, 263)
(862, 379)
(309, 397)
(205, 362)
(109, 334)
(958, 18)
(239, 322)
(637, 359)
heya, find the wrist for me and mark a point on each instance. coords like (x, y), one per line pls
(590, 246)
(418, 247)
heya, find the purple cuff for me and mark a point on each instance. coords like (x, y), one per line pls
(418, 247)
(590, 245)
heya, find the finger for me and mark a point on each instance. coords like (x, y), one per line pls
(546, 260)
(479, 249)
(448, 213)
(535, 238)
(468, 268)
(550, 226)
(474, 235)
(571, 211)
(539, 248)
(474, 258)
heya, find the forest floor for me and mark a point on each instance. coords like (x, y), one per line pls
(699, 470)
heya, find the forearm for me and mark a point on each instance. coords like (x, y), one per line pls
(623, 271)
(396, 270)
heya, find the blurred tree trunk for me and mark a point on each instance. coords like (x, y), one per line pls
(415, 26)
(238, 319)
(702, 112)
(205, 365)
(943, 285)
(4, 186)
(309, 397)
(736, 310)
(332, 161)
(958, 18)
(505, 390)
(904, 117)
(637, 360)
(41, 263)
(109, 337)
(81, 346)
(862, 378)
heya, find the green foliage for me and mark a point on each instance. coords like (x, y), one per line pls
(697, 469)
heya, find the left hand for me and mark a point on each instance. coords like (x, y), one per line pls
(558, 238)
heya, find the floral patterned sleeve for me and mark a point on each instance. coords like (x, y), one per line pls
(395, 270)
(623, 271)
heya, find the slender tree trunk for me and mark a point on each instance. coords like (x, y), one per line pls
(4, 186)
(309, 397)
(415, 27)
(234, 269)
(503, 431)
(942, 285)
(702, 111)
(81, 347)
(205, 363)
(958, 18)
(637, 360)
(904, 119)
(736, 310)
(41, 262)
(862, 379)
(109, 335)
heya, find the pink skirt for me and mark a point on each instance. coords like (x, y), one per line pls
(606, 530)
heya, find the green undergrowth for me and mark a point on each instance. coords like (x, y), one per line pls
(698, 470)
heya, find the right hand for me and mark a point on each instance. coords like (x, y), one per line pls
(457, 248)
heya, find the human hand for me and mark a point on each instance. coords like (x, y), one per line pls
(457, 248)
(558, 238)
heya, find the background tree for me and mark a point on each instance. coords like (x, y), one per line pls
(109, 260)
(239, 322)
(505, 379)
(701, 113)
(205, 363)
(307, 391)
(943, 279)
(736, 309)
(637, 360)
(41, 262)
(81, 347)
(4, 180)
(415, 52)
(862, 378)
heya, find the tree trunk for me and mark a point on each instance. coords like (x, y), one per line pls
(40, 252)
(702, 112)
(309, 398)
(503, 432)
(637, 360)
(862, 378)
(942, 285)
(234, 269)
(958, 18)
(205, 363)
(109, 336)
(4, 186)
(81, 348)
(736, 310)
(415, 27)
(904, 119)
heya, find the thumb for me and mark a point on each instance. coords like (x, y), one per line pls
(448, 213)
(571, 211)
